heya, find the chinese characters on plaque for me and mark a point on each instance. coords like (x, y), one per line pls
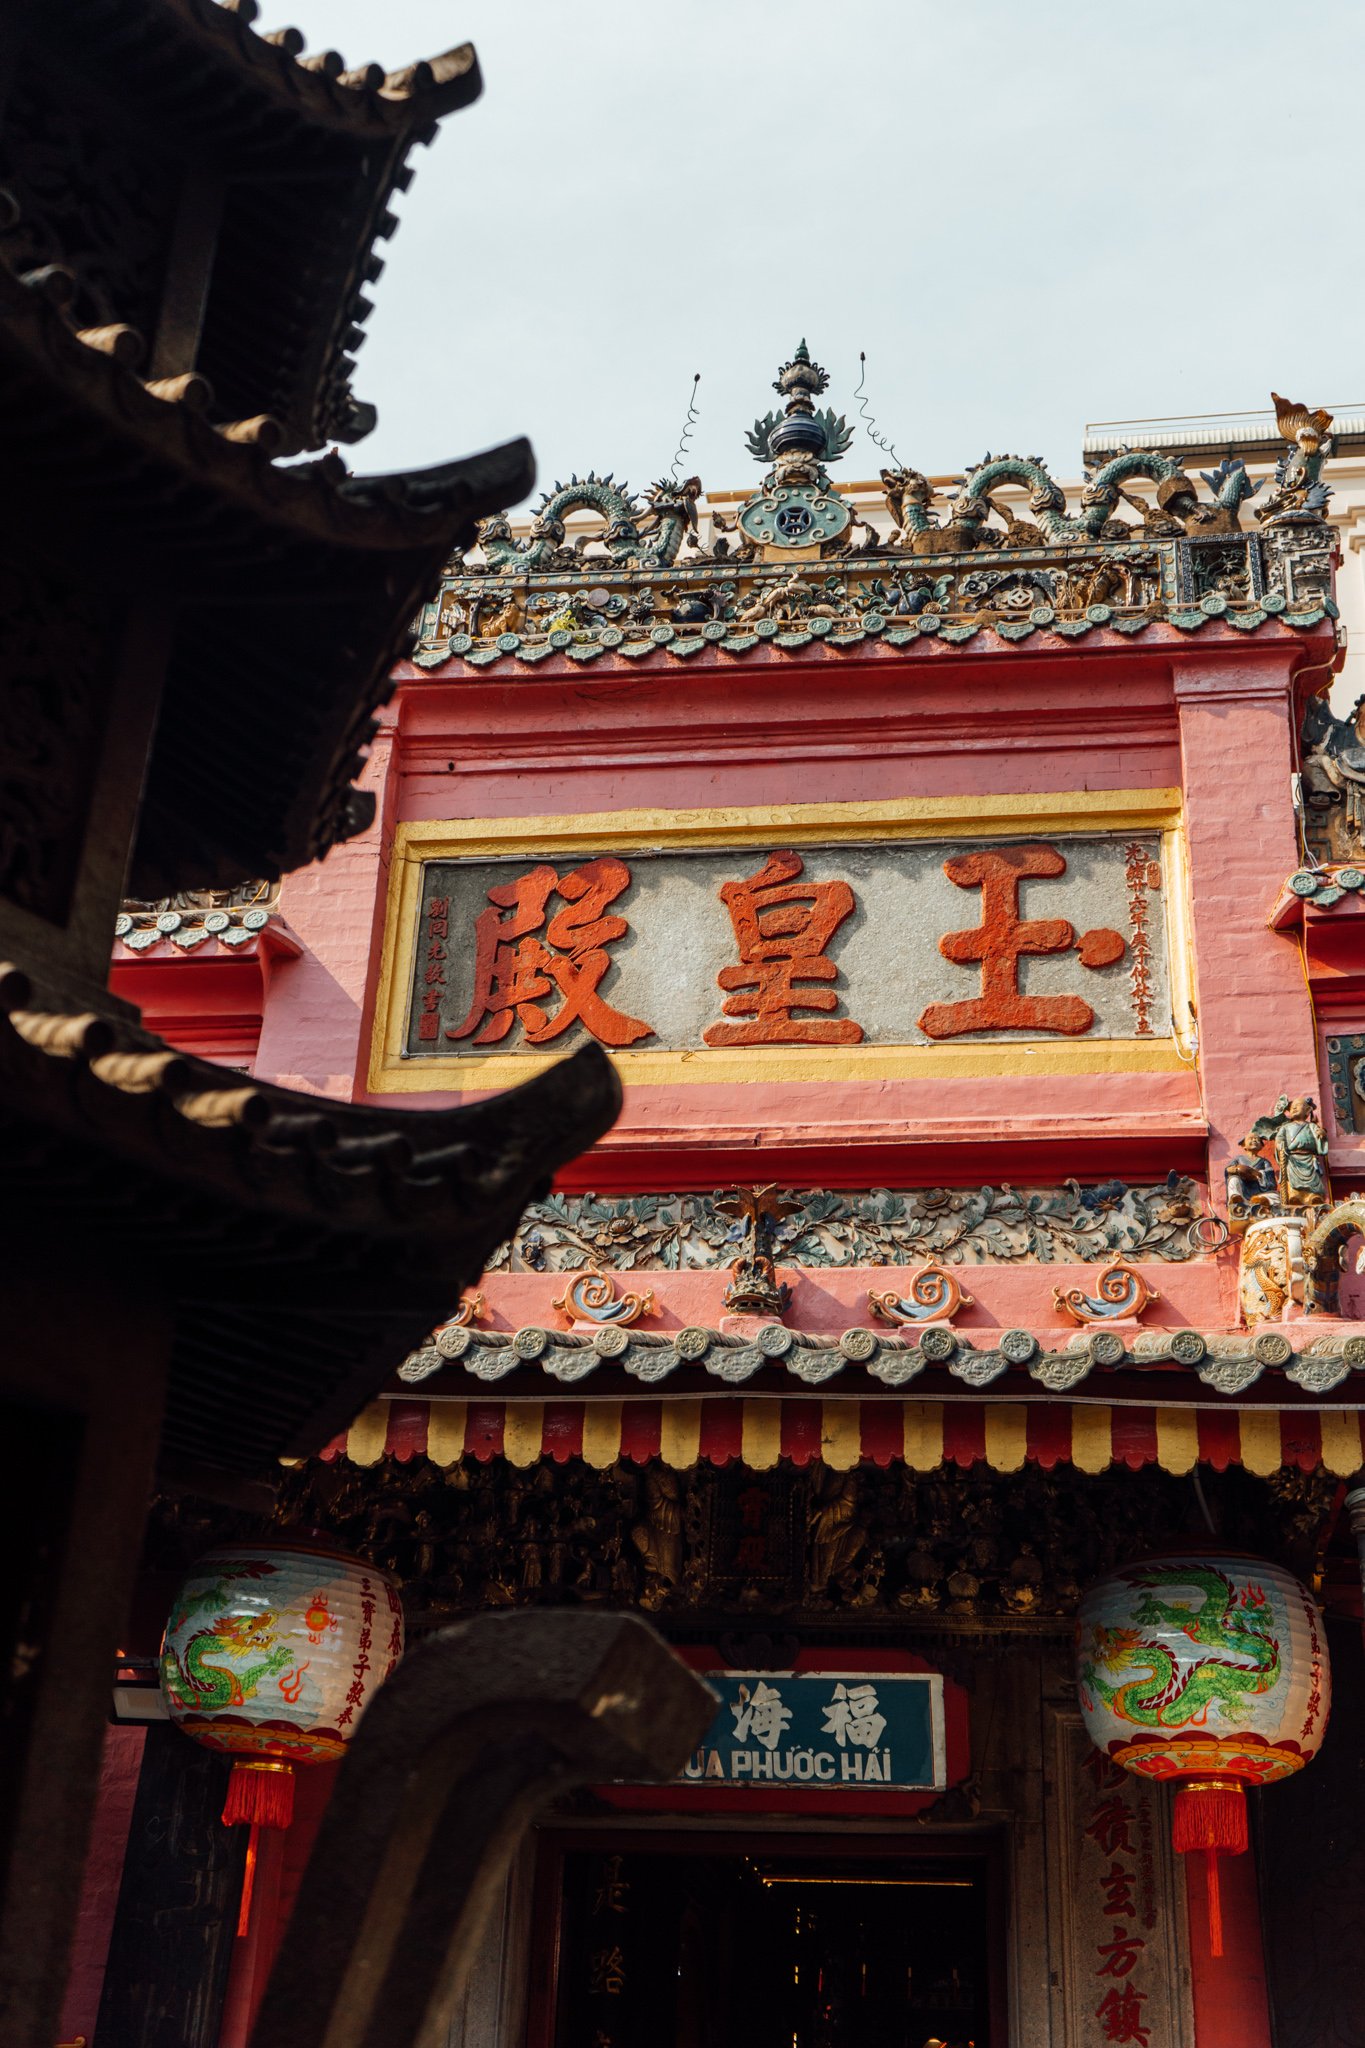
(1125, 1988)
(824, 1729)
(848, 945)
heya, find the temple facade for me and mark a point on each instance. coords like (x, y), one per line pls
(967, 882)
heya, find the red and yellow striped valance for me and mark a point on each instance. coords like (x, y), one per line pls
(922, 1434)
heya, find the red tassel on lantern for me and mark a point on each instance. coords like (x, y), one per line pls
(260, 1795)
(1211, 1817)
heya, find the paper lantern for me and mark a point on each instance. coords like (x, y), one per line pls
(1209, 1671)
(271, 1654)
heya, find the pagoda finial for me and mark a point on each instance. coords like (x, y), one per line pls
(800, 380)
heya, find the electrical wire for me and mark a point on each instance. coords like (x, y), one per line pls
(877, 440)
(689, 425)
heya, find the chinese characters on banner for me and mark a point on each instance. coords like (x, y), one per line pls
(1117, 1984)
(679, 949)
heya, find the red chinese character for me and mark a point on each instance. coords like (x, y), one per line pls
(1109, 1825)
(1120, 2014)
(513, 970)
(1117, 1884)
(751, 1554)
(1120, 1953)
(1103, 1772)
(782, 926)
(428, 1024)
(1003, 938)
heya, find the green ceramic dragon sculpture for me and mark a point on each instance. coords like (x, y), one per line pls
(1178, 1693)
(910, 496)
(636, 536)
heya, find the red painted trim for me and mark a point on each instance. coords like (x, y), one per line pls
(722, 1431)
(1301, 1439)
(1132, 1432)
(641, 1427)
(562, 1432)
(1048, 1440)
(283, 1859)
(407, 1431)
(1231, 2003)
(1220, 1438)
(883, 1431)
(484, 1430)
(964, 1433)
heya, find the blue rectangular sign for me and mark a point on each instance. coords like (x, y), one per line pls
(830, 1728)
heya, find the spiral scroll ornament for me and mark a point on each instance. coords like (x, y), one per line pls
(592, 1297)
(1119, 1291)
(934, 1296)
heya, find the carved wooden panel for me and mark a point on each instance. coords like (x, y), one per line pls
(177, 1909)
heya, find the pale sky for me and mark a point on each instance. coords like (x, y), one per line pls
(1028, 216)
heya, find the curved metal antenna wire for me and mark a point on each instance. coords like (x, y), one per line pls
(689, 425)
(877, 440)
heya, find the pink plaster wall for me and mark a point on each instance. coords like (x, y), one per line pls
(101, 1880)
(314, 1035)
(1256, 1031)
(1213, 712)
(791, 733)
(1201, 1293)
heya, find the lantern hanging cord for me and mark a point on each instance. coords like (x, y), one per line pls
(689, 425)
(877, 440)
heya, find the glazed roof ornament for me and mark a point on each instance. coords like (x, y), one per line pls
(796, 505)
(1298, 492)
(799, 428)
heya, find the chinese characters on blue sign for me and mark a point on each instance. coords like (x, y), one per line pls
(831, 1728)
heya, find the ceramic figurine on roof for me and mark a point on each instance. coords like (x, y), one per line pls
(1334, 780)
(1299, 492)
(635, 537)
(668, 577)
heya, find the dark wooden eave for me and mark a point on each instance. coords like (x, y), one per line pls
(307, 153)
(292, 587)
(306, 1244)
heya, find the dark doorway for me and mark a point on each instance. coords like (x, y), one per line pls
(725, 1942)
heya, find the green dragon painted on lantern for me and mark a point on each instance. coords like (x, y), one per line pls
(204, 1687)
(1180, 1691)
(186, 1672)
